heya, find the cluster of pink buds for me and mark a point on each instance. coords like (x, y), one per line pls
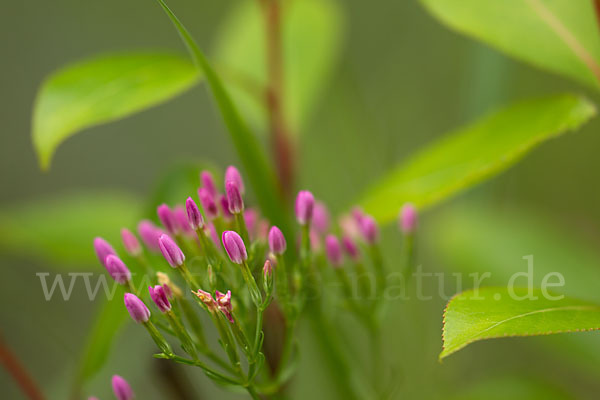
(220, 249)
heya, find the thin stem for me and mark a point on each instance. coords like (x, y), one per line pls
(281, 142)
(252, 391)
(14, 367)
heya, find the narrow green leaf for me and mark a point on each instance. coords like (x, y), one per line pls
(61, 229)
(110, 318)
(311, 41)
(475, 153)
(104, 89)
(497, 312)
(558, 35)
(251, 153)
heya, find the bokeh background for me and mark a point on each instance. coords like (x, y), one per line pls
(402, 80)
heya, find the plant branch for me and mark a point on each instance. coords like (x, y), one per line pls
(281, 141)
(19, 373)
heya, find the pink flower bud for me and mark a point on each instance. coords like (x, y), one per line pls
(351, 248)
(193, 214)
(136, 308)
(320, 219)
(208, 182)
(121, 388)
(333, 250)
(131, 243)
(234, 198)
(150, 234)
(277, 243)
(234, 246)
(368, 229)
(233, 175)
(167, 218)
(304, 207)
(224, 304)
(117, 269)
(408, 218)
(251, 219)
(224, 203)
(170, 251)
(268, 276)
(207, 200)
(160, 297)
(181, 218)
(103, 249)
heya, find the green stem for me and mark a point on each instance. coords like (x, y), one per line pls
(252, 391)
(251, 282)
(189, 278)
(241, 225)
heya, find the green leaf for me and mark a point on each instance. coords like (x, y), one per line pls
(471, 238)
(475, 153)
(558, 35)
(61, 229)
(497, 312)
(311, 40)
(104, 89)
(109, 320)
(249, 149)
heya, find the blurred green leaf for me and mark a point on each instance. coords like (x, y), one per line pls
(475, 153)
(311, 41)
(60, 229)
(512, 387)
(492, 312)
(558, 35)
(104, 89)
(109, 320)
(250, 151)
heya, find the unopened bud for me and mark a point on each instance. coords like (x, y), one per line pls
(408, 218)
(131, 243)
(121, 388)
(170, 251)
(136, 308)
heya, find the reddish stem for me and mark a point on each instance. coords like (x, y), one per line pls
(281, 142)
(19, 373)
(597, 7)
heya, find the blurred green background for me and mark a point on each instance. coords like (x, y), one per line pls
(402, 80)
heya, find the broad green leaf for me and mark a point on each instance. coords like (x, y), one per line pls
(497, 312)
(311, 40)
(475, 239)
(561, 36)
(104, 89)
(252, 155)
(475, 153)
(61, 229)
(109, 320)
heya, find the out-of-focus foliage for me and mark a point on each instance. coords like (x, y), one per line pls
(474, 153)
(514, 388)
(104, 89)
(61, 229)
(111, 316)
(496, 312)
(311, 39)
(559, 35)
